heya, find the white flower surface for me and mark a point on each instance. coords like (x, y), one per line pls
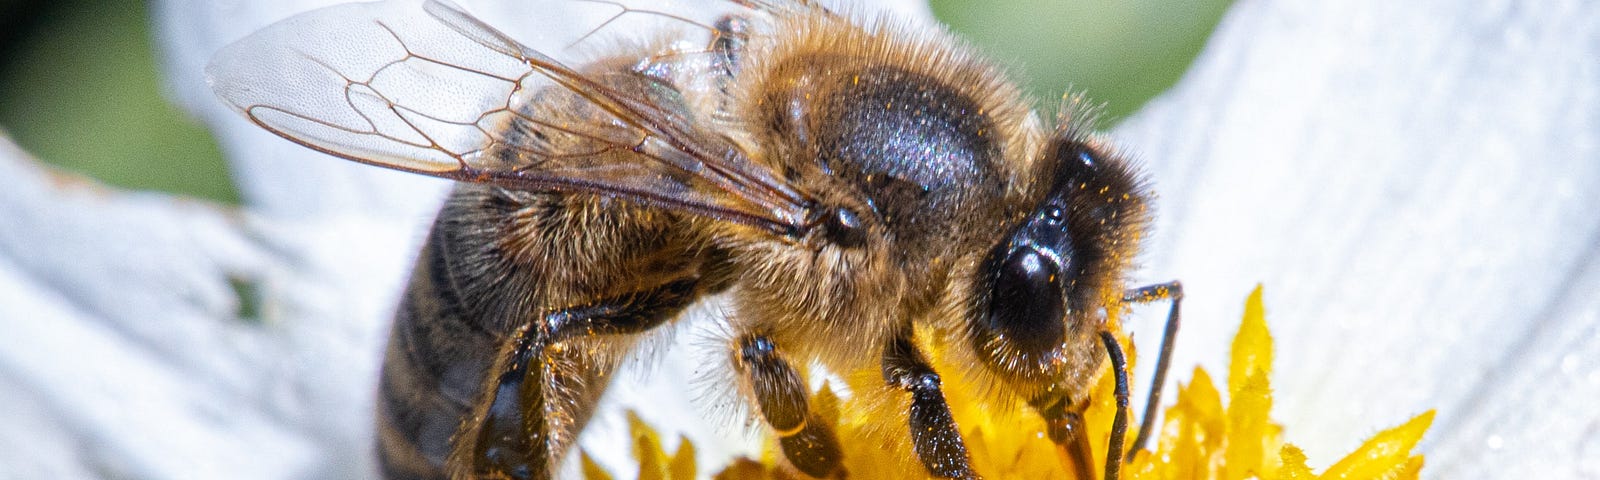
(1414, 182)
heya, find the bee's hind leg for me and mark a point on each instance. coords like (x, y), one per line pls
(934, 435)
(543, 393)
(783, 400)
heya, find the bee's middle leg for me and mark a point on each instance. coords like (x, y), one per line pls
(934, 435)
(783, 400)
(1064, 423)
(543, 389)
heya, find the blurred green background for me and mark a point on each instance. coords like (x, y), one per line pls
(79, 85)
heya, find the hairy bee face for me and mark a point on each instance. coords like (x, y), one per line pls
(1043, 290)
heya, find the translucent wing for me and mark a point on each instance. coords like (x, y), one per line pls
(435, 91)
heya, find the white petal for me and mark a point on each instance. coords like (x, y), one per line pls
(1415, 183)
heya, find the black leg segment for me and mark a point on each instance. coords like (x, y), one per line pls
(780, 393)
(512, 440)
(1151, 293)
(506, 444)
(934, 434)
(1119, 422)
(624, 314)
(814, 449)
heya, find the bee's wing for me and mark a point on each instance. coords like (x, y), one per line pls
(438, 92)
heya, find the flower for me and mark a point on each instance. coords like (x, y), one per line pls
(1201, 437)
(1450, 226)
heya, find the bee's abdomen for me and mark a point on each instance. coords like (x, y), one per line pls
(435, 363)
(498, 262)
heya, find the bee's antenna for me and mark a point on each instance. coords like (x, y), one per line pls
(1119, 424)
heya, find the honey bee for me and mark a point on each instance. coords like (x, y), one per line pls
(852, 186)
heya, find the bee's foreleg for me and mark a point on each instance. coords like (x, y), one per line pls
(781, 395)
(517, 436)
(1064, 423)
(934, 435)
(1063, 419)
(1171, 290)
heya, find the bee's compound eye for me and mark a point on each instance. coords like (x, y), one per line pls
(845, 228)
(1027, 304)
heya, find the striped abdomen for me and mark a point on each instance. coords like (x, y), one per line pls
(497, 261)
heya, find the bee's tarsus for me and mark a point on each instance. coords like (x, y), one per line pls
(934, 434)
(776, 386)
(780, 394)
(814, 449)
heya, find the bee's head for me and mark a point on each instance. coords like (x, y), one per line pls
(1044, 287)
